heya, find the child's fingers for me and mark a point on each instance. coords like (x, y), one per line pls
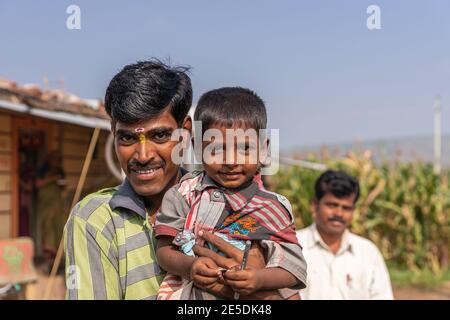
(207, 272)
(236, 275)
(204, 281)
(210, 263)
(206, 268)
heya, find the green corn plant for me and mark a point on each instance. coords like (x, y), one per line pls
(404, 208)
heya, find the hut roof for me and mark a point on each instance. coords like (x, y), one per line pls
(54, 104)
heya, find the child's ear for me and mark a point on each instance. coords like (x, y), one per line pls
(264, 152)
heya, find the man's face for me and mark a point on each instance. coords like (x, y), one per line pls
(144, 151)
(333, 215)
(231, 163)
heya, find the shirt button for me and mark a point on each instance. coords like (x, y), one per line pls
(217, 195)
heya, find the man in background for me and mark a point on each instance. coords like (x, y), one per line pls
(341, 265)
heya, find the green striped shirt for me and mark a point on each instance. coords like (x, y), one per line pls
(110, 248)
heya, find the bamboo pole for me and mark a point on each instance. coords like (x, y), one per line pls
(76, 198)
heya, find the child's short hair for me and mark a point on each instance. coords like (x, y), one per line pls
(231, 106)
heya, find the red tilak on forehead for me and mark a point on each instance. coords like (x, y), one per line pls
(139, 130)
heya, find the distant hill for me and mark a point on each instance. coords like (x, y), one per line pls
(406, 148)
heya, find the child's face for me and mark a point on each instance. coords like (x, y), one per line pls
(230, 155)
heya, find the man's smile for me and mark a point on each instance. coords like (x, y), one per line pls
(146, 175)
(146, 172)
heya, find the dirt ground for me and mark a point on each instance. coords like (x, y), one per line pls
(441, 292)
(36, 290)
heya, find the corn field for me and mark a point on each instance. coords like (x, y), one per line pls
(404, 208)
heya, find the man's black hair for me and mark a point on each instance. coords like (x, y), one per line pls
(231, 106)
(145, 89)
(338, 183)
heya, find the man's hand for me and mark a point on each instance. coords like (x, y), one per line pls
(255, 257)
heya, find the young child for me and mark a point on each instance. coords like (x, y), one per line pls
(228, 199)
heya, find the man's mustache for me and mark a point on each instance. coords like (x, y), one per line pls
(136, 165)
(336, 218)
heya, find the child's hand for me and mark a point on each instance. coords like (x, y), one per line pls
(244, 282)
(204, 271)
(206, 275)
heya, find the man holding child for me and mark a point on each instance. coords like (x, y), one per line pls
(110, 238)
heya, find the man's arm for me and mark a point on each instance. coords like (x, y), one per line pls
(92, 268)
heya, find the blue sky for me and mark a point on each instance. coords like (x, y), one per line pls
(324, 76)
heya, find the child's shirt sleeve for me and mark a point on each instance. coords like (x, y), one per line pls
(171, 217)
(286, 252)
(287, 256)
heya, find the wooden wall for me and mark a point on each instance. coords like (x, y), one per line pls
(74, 142)
(5, 175)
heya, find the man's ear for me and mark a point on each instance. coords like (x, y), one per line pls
(187, 124)
(314, 207)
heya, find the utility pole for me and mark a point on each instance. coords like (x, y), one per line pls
(437, 135)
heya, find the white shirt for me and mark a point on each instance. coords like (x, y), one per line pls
(357, 271)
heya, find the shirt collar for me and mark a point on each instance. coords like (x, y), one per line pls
(236, 198)
(127, 198)
(316, 239)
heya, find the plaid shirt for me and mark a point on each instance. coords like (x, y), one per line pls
(250, 212)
